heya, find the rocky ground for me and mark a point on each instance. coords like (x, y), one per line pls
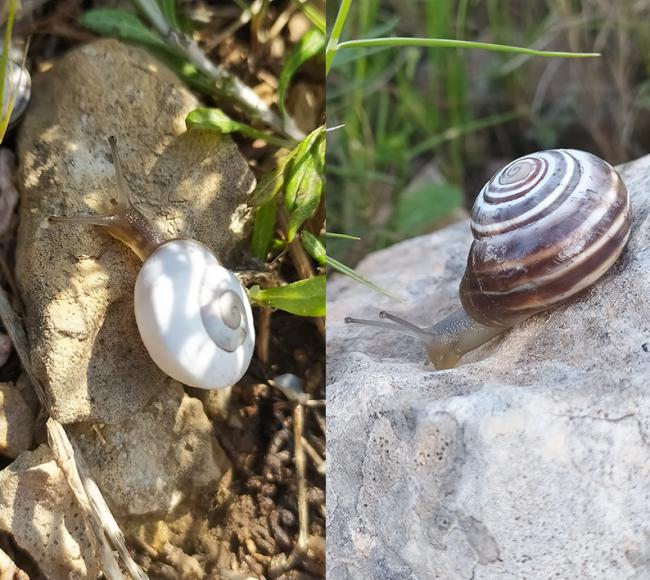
(202, 483)
(529, 460)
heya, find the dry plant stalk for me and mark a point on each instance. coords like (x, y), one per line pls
(301, 479)
(228, 83)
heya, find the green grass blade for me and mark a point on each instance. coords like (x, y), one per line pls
(450, 43)
(304, 186)
(272, 182)
(311, 12)
(469, 128)
(340, 236)
(263, 228)
(343, 269)
(125, 26)
(308, 46)
(314, 247)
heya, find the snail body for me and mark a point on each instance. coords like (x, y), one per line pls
(546, 227)
(193, 314)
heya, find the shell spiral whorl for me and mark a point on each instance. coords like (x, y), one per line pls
(546, 227)
(223, 313)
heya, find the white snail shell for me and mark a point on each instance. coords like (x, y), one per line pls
(194, 316)
(20, 78)
(546, 227)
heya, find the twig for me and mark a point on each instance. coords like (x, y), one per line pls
(226, 82)
(113, 531)
(281, 21)
(263, 334)
(65, 459)
(303, 509)
(319, 462)
(16, 332)
(243, 19)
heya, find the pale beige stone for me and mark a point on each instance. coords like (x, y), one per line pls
(16, 421)
(76, 281)
(157, 459)
(529, 460)
(39, 511)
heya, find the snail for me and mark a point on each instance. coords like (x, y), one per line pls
(546, 227)
(193, 314)
(18, 83)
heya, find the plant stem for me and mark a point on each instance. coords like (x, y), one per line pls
(225, 81)
(333, 43)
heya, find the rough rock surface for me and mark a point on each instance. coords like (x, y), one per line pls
(76, 281)
(156, 459)
(16, 421)
(529, 460)
(38, 509)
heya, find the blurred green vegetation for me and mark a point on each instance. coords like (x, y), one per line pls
(424, 128)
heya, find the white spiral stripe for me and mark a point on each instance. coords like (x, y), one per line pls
(578, 237)
(496, 228)
(492, 189)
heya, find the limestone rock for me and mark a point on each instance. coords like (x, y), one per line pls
(529, 460)
(16, 422)
(76, 281)
(38, 509)
(156, 459)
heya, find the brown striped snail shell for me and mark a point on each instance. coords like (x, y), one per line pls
(546, 227)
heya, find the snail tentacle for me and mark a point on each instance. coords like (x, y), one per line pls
(125, 222)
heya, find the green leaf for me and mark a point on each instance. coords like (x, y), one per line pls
(263, 228)
(314, 247)
(304, 298)
(304, 186)
(269, 185)
(423, 206)
(217, 120)
(272, 182)
(311, 44)
(341, 267)
(123, 25)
